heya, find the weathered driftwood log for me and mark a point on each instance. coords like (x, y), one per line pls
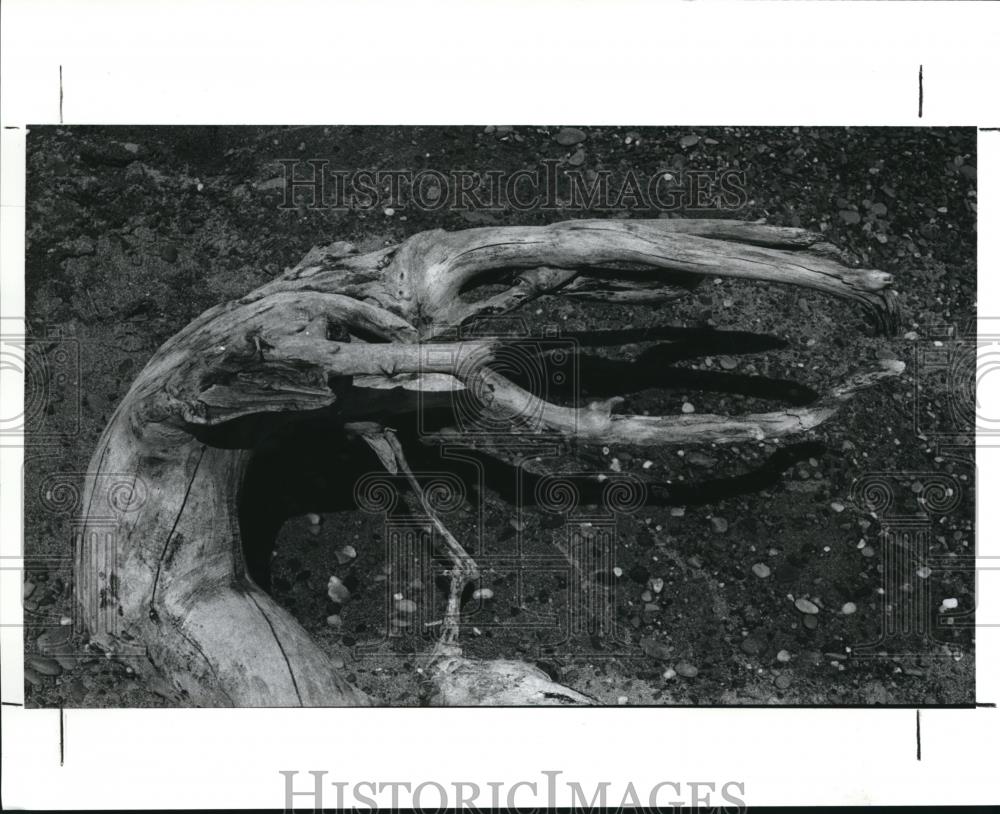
(165, 571)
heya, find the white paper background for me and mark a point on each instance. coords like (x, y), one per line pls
(638, 63)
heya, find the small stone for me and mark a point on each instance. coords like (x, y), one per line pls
(783, 681)
(569, 136)
(848, 608)
(66, 662)
(654, 649)
(924, 572)
(65, 620)
(687, 670)
(677, 511)
(805, 606)
(406, 606)
(517, 524)
(616, 465)
(720, 525)
(334, 620)
(29, 589)
(33, 678)
(950, 603)
(761, 570)
(389, 211)
(669, 673)
(752, 646)
(337, 662)
(337, 591)
(656, 584)
(689, 141)
(482, 593)
(784, 656)
(837, 506)
(647, 464)
(43, 665)
(622, 700)
(617, 571)
(867, 551)
(810, 623)
(728, 362)
(53, 640)
(577, 158)
(687, 407)
(345, 554)
(849, 216)
(313, 519)
(646, 596)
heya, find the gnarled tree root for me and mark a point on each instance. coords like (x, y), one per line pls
(159, 563)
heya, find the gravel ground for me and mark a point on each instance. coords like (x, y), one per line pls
(751, 575)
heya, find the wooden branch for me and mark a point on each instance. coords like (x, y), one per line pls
(164, 571)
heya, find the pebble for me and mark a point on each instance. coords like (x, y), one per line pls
(406, 606)
(805, 606)
(337, 591)
(345, 554)
(517, 524)
(33, 678)
(647, 464)
(687, 670)
(66, 662)
(849, 608)
(622, 700)
(334, 620)
(950, 603)
(687, 407)
(867, 551)
(924, 572)
(617, 571)
(728, 362)
(389, 211)
(837, 506)
(752, 646)
(482, 593)
(783, 682)
(720, 525)
(43, 665)
(337, 662)
(53, 640)
(810, 623)
(677, 511)
(29, 589)
(656, 585)
(569, 136)
(669, 673)
(761, 570)
(313, 518)
(784, 656)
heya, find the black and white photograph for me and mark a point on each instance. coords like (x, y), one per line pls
(498, 406)
(500, 415)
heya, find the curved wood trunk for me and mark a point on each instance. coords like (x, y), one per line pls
(159, 563)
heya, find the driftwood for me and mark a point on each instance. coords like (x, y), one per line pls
(161, 569)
